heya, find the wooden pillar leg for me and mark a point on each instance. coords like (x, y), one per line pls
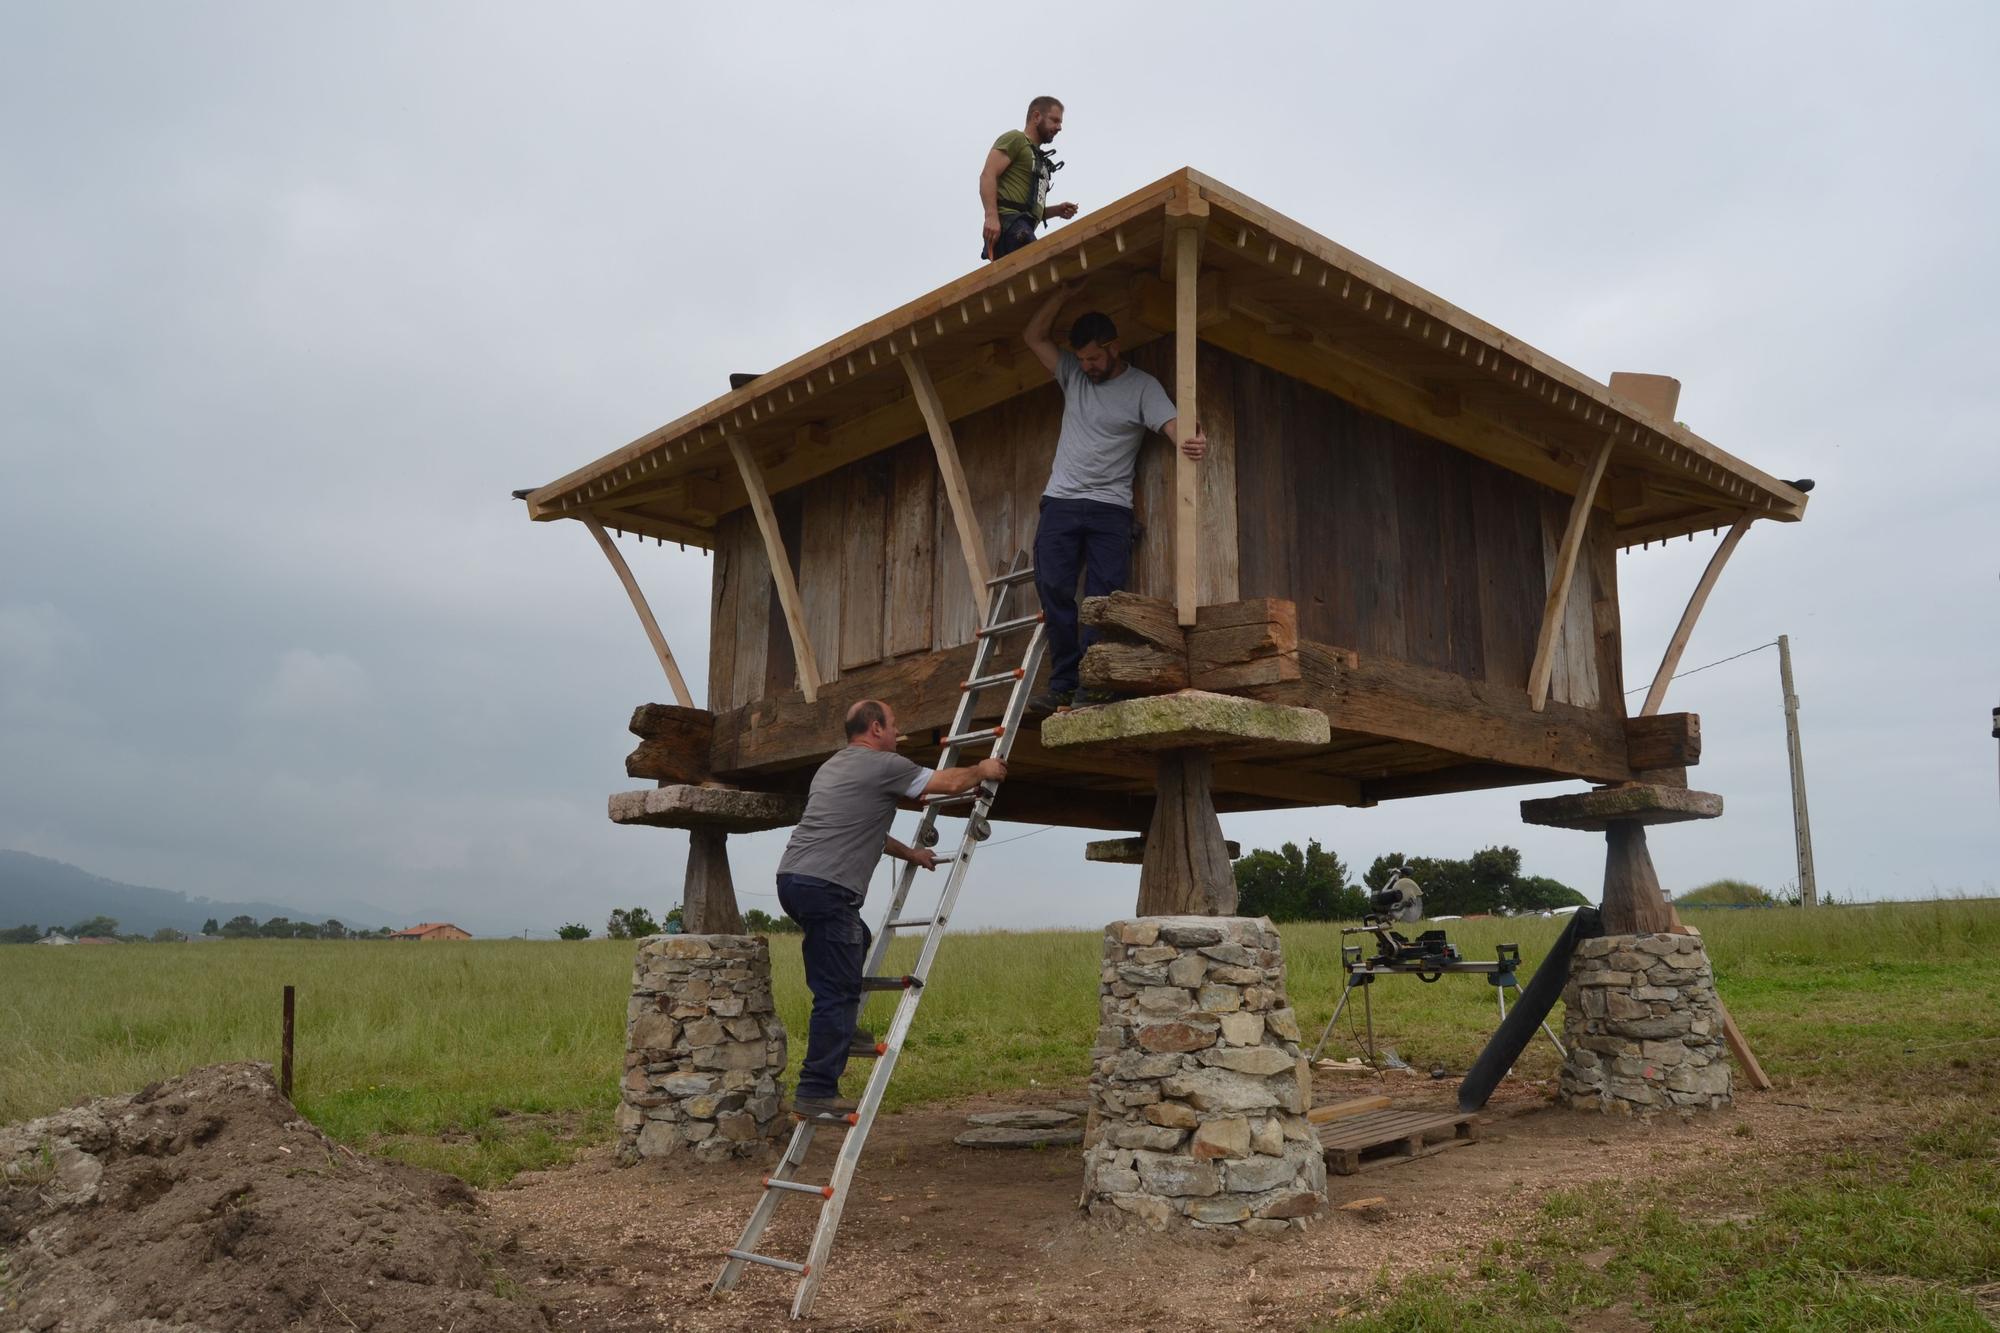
(708, 897)
(1186, 871)
(1633, 903)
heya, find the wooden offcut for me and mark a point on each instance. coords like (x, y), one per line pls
(675, 743)
(1353, 1106)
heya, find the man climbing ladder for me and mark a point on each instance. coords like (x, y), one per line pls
(973, 801)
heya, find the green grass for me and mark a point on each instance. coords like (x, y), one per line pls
(490, 1057)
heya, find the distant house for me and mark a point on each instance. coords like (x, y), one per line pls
(432, 930)
(55, 937)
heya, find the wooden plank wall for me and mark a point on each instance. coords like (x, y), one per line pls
(1399, 546)
(1390, 542)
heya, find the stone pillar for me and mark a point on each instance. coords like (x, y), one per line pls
(1198, 1091)
(1643, 1027)
(704, 1050)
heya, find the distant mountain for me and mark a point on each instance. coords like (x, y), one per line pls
(35, 890)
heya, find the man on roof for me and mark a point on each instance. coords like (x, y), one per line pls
(1085, 527)
(1014, 183)
(823, 878)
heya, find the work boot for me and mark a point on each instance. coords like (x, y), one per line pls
(863, 1045)
(1049, 701)
(1091, 698)
(823, 1108)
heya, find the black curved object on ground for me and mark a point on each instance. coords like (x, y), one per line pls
(1537, 998)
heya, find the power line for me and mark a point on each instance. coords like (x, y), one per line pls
(1716, 663)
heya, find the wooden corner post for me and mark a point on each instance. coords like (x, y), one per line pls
(971, 538)
(781, 566)
(1187, 479)
(1560, 576)
(652, 626)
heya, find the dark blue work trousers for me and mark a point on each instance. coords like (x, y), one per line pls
(836, 949)
(1077, 536)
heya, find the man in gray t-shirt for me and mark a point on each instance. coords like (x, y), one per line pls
(1085, 526)
(823, 878)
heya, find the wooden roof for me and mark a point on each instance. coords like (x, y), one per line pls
(1271, 290)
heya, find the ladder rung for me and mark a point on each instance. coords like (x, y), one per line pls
(1012, 576)
(997, 678)
(910, 922)
(798, 1187)
(786, 1264)
(962, 798)
(976, 734)
(891, 983)
(1009, 626)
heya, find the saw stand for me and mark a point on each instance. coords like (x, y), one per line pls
(1361, 974)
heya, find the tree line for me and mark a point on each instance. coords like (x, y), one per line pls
(1314, 885)
(236, 928)
(636, 923)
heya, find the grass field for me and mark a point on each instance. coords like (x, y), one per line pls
(490, 1057)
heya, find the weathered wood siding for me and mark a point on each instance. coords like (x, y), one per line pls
(1391, 543)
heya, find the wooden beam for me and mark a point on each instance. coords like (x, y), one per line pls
(781, 567)
(971, 538)
(652, 626)
(1558, 601)
(1671, 659)
(1663, 740)
(1187, 480)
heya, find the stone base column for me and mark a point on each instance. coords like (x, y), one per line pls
(1198, 1091)
(1643, 1027)
(704, 1050)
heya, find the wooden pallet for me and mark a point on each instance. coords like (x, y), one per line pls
(1384, 1138)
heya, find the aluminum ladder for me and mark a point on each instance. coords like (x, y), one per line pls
(832, 1196)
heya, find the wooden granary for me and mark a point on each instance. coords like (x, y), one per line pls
(1408, 523)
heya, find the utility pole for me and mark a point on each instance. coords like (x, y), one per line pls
(1801, 826)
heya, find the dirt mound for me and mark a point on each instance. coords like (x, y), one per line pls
(207, 1204)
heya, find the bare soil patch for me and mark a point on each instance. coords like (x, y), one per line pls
(206, 1204)
(941, 1236)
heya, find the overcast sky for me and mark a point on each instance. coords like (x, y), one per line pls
(291, 298)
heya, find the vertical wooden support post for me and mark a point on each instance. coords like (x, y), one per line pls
(285, 1061)
(971, 540)
(1801, 825)
(781, 566)
(1678, 644)
(1187, 480)
(652, 626)
(1633, 903)
(708, 895)
(1559, 581)
(1186, 869)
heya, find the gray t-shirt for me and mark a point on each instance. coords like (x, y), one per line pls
(1102, 428)
(849, 808)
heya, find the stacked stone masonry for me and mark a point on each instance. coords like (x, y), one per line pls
(1198, 1091)
(1642, 1028)
(704, 1050)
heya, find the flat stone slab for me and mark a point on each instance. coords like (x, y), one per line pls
(1635, 803)
(1132, 851)
(1025, 1118)
(707, 807)
(1188, 720)
(997, 1137)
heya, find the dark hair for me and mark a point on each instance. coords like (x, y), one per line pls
(1041, 104)
(1092, 326)
(862, 716)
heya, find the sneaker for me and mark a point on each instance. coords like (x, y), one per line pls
(863, 1045)
(1049, 701)
(823, 1108)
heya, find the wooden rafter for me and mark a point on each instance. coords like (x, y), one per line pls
(781, 567)
(1671, 659)
(659, 640)
(1565, 570)
(970, 536)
